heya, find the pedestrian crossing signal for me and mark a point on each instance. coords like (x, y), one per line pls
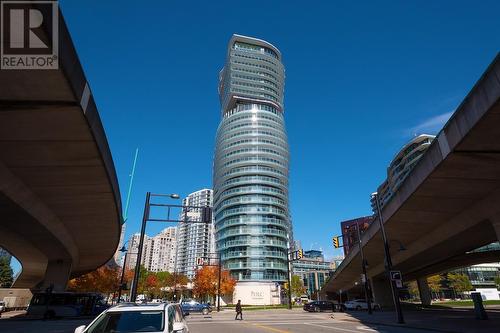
(300, 254)
(336, 243)
(199, 261)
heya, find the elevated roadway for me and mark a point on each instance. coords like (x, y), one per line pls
(447, 206)
(60, 209)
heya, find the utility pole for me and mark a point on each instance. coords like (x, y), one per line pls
(289, 273)
(145, 217)
(388, 261)
(363, 264)
(218, 283)
(206, 217)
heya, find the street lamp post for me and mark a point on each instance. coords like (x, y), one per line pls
(145, 218)
(289, 276)
(122, 250)
(363, 265)
(388, 260)
(219, 256)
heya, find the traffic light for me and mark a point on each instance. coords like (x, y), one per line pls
(336, 243)
(300, 254)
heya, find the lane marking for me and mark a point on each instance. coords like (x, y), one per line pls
(333, 328)
(268, 328)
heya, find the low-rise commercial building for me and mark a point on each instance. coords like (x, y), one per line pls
(313, 270)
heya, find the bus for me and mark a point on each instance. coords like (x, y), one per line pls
(66, 304)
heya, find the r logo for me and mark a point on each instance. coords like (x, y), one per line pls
(29, 35)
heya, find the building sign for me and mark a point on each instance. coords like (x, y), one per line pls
(257, 295)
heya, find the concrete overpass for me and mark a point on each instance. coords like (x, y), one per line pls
(60, 209)
(447, 206)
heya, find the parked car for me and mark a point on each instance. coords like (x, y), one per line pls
(318, 306)
(2, 306)
(131, 317)
(360, 304)
(304, 299)
(189, 306)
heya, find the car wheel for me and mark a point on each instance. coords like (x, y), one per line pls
(49, 315)
(317, 309)
(204, 311)
(358, 308)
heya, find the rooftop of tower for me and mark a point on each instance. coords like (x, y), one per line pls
(254, 41)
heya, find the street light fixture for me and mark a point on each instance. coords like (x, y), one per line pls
(145, 217)
(206, 217)
(122, 250)
(388, 260)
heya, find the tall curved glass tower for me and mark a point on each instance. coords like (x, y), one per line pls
(251, 164)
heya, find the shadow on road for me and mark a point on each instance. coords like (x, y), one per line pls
(434, 319)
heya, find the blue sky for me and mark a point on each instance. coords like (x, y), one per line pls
(362, 77)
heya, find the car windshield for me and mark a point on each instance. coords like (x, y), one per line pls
(129, 321)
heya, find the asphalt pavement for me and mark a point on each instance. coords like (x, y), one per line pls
(285, 321)
(297, 321)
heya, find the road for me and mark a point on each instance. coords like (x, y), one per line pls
(285, 321)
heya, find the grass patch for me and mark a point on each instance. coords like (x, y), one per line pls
(465, 303)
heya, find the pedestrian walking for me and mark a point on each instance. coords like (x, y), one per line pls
(238, 311)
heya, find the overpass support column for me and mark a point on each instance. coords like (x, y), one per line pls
(56, 275)
(424, 291)
(381, 289)
(495, 221)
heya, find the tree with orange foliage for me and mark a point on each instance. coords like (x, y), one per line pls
(103, 280)
(206, 280)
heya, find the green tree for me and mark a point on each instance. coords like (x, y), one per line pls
(6, 274)
(435, 284)
(459, 282)
(497, 281)
(298, 288)
(413, 289)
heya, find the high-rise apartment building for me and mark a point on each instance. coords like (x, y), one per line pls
(253, 229)
(162, 249)
(133, 248)
(195, 239)
(158, 253)
(400, 167)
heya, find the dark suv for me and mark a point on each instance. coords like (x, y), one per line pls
(318, 306)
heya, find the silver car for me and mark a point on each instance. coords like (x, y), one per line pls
(360, 304)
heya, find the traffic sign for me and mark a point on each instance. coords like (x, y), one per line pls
(396, 275)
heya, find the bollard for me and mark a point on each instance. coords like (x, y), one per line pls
(478, 306)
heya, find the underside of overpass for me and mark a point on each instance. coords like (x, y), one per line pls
(450, 202)
(60, 209)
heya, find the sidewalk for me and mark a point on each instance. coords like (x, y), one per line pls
(438, 320)
(12, 314)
